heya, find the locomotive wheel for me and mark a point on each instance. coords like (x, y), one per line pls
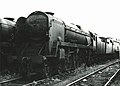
(25, 67)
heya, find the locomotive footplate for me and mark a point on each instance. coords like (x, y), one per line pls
(66, 44)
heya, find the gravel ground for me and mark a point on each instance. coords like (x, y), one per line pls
(65, 78)
(7, 76)
(116, 81)
(59, 78)
(100, 78)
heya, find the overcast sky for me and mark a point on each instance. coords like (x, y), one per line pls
(99, 16)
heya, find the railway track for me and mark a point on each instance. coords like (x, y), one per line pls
(72, 80)
(2, 83)
(73, 83)
(19, 81)
(40, 82)
(111, 81)
(45, 82)
(23, 83)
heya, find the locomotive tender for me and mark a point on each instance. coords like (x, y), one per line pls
(47, 45)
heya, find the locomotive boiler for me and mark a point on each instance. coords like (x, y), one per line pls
(47, 45)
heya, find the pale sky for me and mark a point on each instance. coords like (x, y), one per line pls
(99, 16)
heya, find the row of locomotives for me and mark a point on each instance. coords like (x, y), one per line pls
(47, 45)
(106, 48)
(112, 48)
(7, 48)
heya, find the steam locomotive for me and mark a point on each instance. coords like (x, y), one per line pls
(47, 45)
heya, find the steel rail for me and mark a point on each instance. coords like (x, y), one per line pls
(110, 80)
(33, 83)
(6, 81)
(92, 73)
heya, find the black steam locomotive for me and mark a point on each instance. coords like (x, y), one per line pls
(46, 45)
